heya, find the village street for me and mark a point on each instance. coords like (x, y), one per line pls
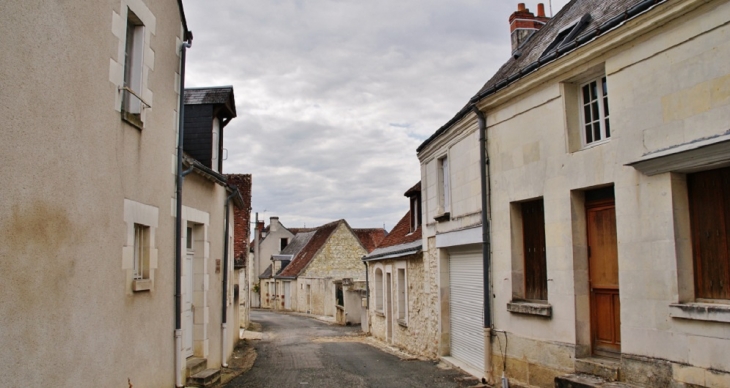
(297, 351)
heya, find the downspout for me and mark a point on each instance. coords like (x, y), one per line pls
(486, 244)
(256, 266)
(178, 219)
(224, 288)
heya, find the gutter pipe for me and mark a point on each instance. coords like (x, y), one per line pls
(486, 244)
(178, 219)
(224, 288)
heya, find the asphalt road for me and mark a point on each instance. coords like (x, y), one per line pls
(302, 352)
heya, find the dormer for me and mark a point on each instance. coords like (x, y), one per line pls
(414, 195)
(207, 111)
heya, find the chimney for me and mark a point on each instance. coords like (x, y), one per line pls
(523, 23)
(273, 224)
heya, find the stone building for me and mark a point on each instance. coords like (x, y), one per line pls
(402, 300)
(332, 253)
(607, 144)
(241, 235)
(272, 239)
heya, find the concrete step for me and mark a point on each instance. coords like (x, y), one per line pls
(588, 381)
(209, 378)
(605, 368)
(195, 365)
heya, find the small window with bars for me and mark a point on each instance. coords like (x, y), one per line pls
(141, 252)
(595, 113)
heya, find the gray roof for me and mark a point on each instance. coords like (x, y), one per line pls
(394, 251)
(215, 95)
(297, 242)
(208, 95)
(605, 15)
(266, 274)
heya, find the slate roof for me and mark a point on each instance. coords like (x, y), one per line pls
(413, 190)
(266, 274)
(217, 95)
(306, 254)
(605, 15)
(370, 238)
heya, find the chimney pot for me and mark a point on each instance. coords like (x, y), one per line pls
(520, 7)
(541, 10)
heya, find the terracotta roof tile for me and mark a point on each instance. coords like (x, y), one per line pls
(370, 238)
(307, 253)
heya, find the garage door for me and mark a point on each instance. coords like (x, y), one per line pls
(467, 306)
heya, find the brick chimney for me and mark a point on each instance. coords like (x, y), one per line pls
(523, 23)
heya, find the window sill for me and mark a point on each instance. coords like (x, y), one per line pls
(700, 311)
(594, 144)
(443, 217)
(141, 285)
(379, 314)
(530, 308)
(402, 322)
(133, 120)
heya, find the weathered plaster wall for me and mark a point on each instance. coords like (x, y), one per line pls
(71, 162)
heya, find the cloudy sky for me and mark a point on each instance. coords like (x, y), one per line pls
(334, 96)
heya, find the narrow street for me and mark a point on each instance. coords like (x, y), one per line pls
(298, 351)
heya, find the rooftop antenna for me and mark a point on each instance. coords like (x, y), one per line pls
(550, 5)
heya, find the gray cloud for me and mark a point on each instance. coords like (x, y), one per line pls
(333, 97)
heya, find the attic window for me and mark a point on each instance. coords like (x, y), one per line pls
(568, 34)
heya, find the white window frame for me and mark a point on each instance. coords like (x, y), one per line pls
(444, 185)
(402, 294)
(134, 46)
(378, 288)
(603, 119)
(141, 263)
(139, 254)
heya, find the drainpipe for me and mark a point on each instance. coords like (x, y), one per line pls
(257, 270)
(178, 220)
(486, 244)
(224, 289)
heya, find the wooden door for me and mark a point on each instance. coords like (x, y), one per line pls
(603, 277)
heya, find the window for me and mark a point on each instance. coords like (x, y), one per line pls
(283, 243)
(402, 303)
(533, 238)
(378, 289)
(594, 111)
(415, 212)
(339, 295)
(189, 238)
(141, 247)
(443, 187)
(133, 62)
(709, 205)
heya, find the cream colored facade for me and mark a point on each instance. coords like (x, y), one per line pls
(667, 73)
(268, 246)
(337, 258)
(80, 184)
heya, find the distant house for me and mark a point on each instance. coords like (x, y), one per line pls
(403, 304)
(242, 232)
(605, 153)
(272, 239)
(331, 253)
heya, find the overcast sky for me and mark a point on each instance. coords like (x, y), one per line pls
(334, 96)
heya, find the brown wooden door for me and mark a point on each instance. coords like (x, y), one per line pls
(603, 277)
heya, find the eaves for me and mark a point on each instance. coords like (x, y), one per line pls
(621, 34)
(212, 176)
(452, 132)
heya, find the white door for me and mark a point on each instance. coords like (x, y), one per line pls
(467, 307)
(187, 299)
(287, 295)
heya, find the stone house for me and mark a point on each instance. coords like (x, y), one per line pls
(272, 239)
(605, 227)
(402, 300)
(90, 216)
(332, 253)
(241, 235)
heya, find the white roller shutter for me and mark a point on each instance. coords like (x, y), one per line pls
(467, 307)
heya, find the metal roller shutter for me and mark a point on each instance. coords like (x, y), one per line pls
(467, 306)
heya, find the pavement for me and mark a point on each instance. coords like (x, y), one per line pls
(294, 350)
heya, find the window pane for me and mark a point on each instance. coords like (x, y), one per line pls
(586, 96)
(597, 130)
(605, 106)
(605, 88)
(608, 128)
(594, 109)
(589, 134)
(587, 114)
(594, 91)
